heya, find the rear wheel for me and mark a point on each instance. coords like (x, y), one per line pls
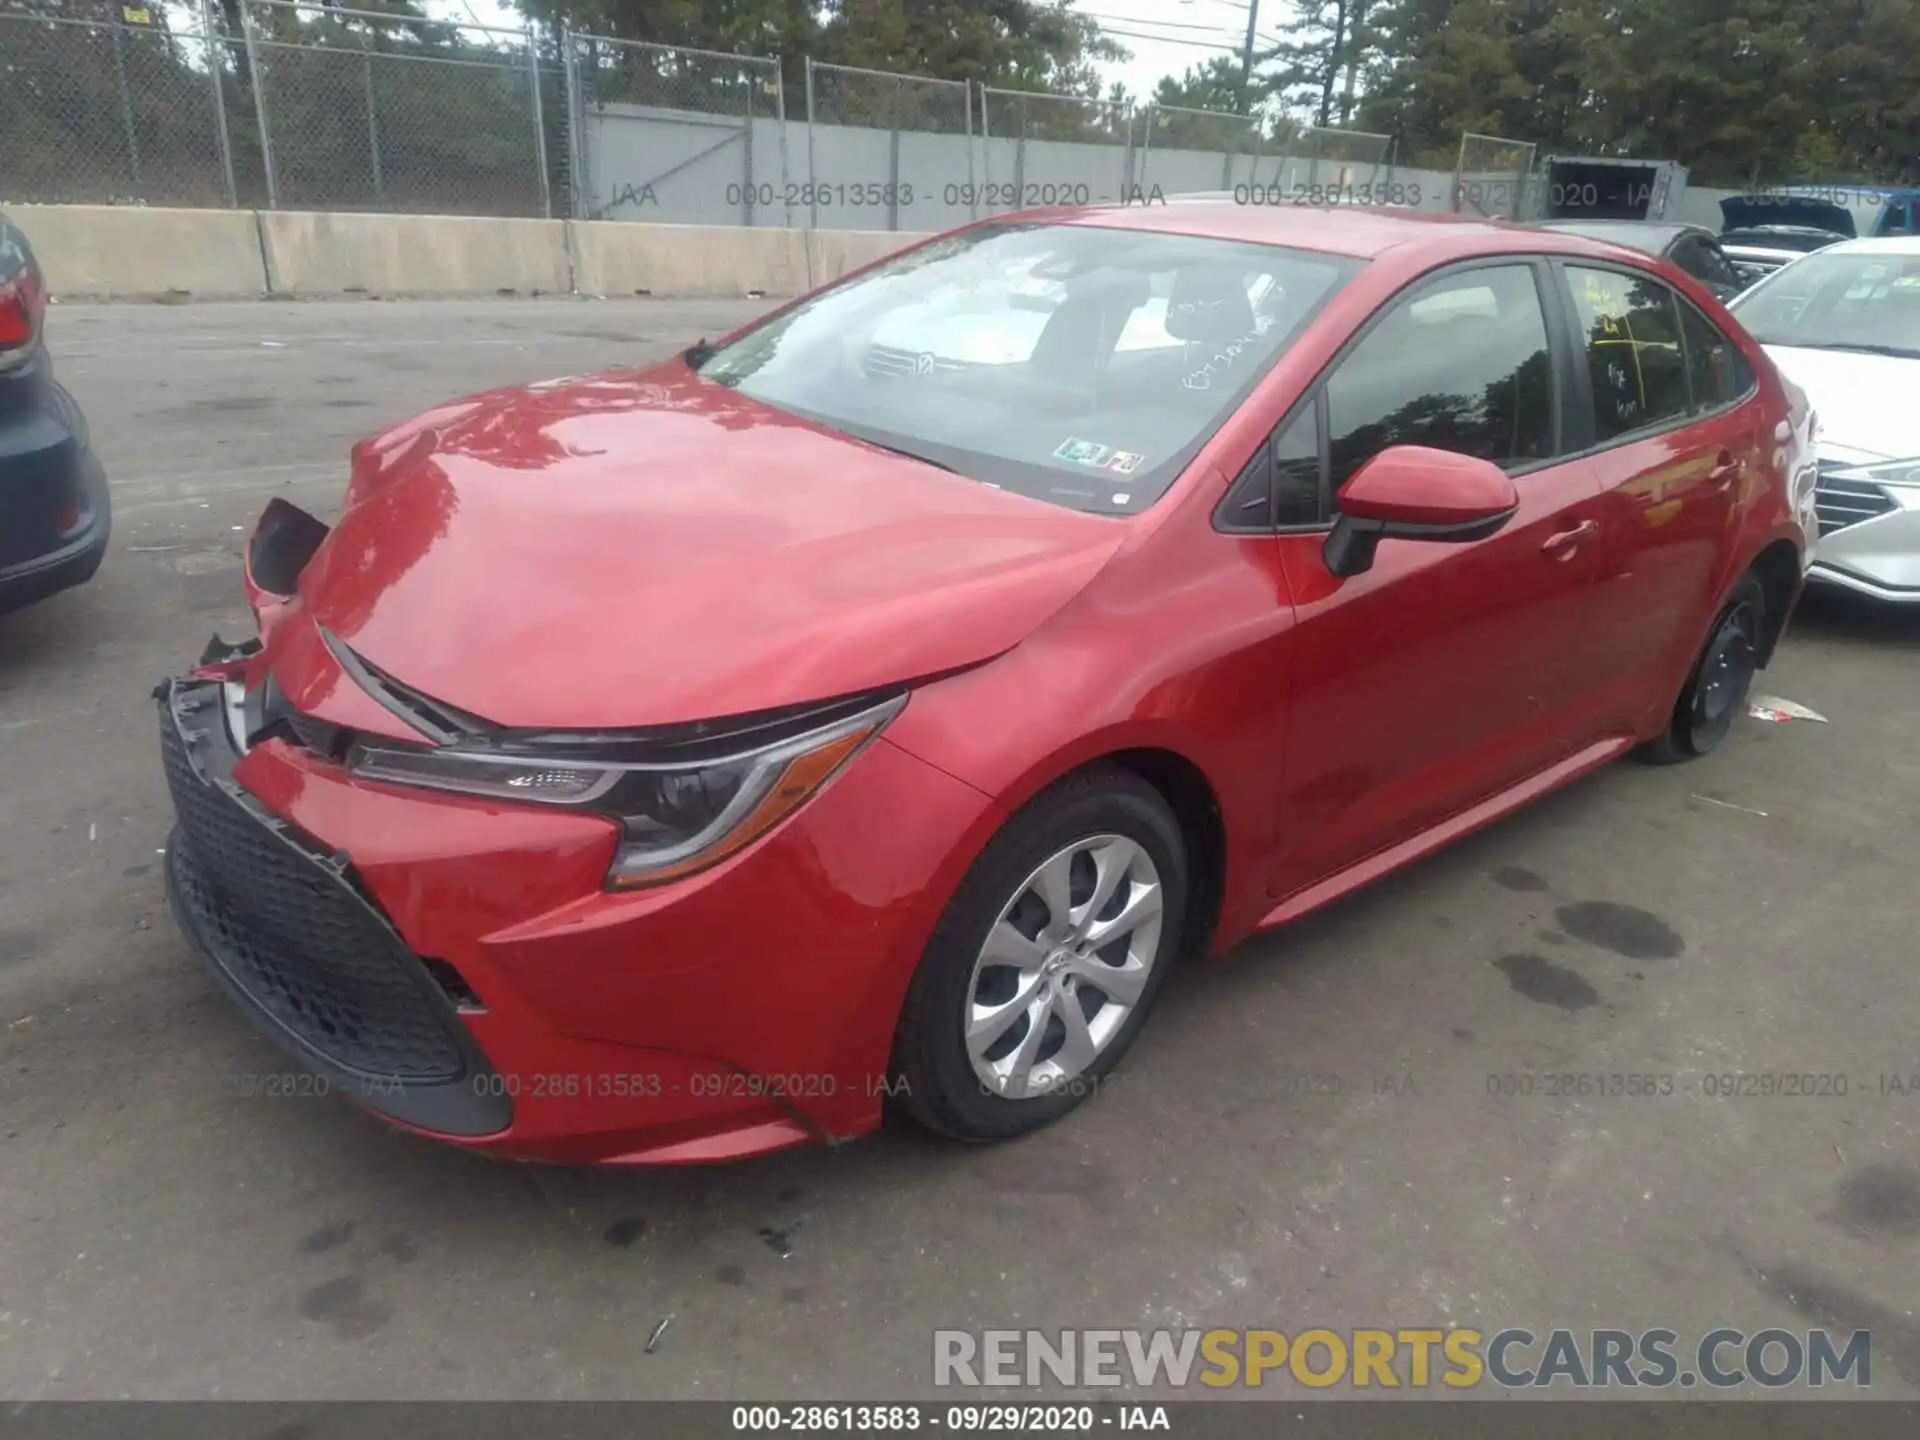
(1717, 686)
(1047, 960)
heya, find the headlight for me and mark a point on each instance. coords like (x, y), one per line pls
(1882, 472)
(674, 818)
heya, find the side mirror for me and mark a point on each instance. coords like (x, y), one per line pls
(1411, 492)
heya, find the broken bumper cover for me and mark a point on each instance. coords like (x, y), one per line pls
(455, 965)
(284, 927)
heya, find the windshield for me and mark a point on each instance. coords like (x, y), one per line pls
(1078, 365)
(1863, 300)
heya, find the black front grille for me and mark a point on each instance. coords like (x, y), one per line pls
(292, 932)
(1840, 503)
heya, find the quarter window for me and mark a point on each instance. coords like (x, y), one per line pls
(1630, 328)
(1717, 373)
(1463, 365)
(1296, 469)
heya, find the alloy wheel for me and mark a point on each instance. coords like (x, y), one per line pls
(1063, 966)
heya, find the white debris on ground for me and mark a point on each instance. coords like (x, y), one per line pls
(1772, 707)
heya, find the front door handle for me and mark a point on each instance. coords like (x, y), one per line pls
(1562, 546)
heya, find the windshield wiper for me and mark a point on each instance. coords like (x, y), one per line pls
(698, 353)
(1902, 352)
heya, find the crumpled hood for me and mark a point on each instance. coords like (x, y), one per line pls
(1865, 402)
(645, 547)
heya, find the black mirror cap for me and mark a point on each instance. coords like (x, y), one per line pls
(1350, 545)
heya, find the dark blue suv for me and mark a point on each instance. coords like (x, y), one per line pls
(54, 510)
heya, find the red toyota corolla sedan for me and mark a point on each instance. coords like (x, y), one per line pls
(682, 762)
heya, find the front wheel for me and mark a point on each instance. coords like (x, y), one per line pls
(1717, 686)
(1047, 960)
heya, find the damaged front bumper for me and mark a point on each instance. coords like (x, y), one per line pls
(286, 927)
(458, 966)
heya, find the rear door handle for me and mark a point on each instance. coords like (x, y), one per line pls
(1561, 546)
(1725, 471)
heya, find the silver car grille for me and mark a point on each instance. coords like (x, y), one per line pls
(1839, 503)
(891, 362)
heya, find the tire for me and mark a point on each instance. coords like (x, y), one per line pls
(1717, 685)
(1103, 825)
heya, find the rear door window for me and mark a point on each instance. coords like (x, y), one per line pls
(1629, 329)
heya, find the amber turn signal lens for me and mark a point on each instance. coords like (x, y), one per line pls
(802, 776)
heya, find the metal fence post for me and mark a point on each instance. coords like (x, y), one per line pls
(746, 156)
(813, 191)
(373, 119)
(126, 105)
(1146, 145)
(539, 125)
(1020, 155)
(780, 106)
(973, 193)
(259, 107)
(214, 59)
(893, 157)
(576, 110)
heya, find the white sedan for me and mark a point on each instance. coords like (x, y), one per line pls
(1844, 324)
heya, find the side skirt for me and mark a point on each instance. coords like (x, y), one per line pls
(1474, 817)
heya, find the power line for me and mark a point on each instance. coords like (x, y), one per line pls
(1232, 46)
(1221, 43)
(1169, 24)
(1172, 39)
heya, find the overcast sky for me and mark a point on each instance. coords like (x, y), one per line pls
(1187, 32)
(1165, 36)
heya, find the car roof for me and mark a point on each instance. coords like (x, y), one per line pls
(1363, 232)
(1652, 236)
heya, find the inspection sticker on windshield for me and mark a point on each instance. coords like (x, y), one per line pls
(1082, 452)
(1123, 462)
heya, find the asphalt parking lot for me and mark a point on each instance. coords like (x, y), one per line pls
(1310, 1133)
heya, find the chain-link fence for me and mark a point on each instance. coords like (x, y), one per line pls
(1490, 176)
(887, 151)
(366, 111)
(302, 104)
(1342, 161)
(1182, 150)
(1054, 149)
(666, 133)
(111, 104)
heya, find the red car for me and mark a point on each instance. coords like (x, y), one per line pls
(684, 762)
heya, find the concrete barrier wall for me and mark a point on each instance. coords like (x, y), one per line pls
(131, 251)
(315, 253)
(833, 253)
(126, 250)
(611, 257)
